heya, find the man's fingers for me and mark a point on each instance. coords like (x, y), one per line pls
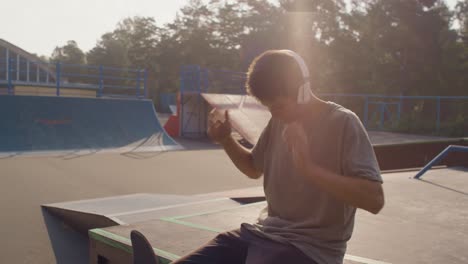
(214, 124)
(213, 113)
(226, 115)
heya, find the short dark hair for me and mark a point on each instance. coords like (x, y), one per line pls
(274, 74)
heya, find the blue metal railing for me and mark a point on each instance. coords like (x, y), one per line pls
(438, 158)
(130, 82)
(391, 100)
(378, 111)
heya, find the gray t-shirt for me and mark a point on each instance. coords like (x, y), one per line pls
(303, 214)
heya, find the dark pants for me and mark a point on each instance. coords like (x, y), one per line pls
(242, 246)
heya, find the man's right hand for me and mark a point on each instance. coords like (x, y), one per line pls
(219, 130)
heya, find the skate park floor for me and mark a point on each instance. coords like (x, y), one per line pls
(202, 167)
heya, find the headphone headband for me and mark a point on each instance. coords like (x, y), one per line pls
(305, 93)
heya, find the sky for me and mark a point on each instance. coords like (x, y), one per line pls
(39, 26)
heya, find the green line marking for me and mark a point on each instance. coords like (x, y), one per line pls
(189, 224)
(215, 211)
(176, 219)
(165, 257)
(124, 243)
(110, 239)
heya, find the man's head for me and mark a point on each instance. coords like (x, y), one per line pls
(274, 79)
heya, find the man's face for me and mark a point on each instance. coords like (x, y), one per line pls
(283, 108)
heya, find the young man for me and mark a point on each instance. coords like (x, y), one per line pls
(318, 167)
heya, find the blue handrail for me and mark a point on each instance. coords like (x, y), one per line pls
(434, 161)
(195, 79)
(63, 75)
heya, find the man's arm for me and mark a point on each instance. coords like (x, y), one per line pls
(220, 131)
(354, 190)
(358, 192)
(241, 157)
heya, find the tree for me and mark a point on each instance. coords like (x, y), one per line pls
(462, 16)
(368, 46)
(139, 35)
(109, 51)
(404, 45)
(461, 11)
(69, 54)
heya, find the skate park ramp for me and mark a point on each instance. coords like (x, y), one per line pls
(127, 209)
(43, 124)
(423, 221)
(132, 208)
(247, 115)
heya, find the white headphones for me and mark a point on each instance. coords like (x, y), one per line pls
(305, 92)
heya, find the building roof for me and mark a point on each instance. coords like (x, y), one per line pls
(27, 55)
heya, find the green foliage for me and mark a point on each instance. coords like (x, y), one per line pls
(398, 47)
(69, 53)
(109, 51)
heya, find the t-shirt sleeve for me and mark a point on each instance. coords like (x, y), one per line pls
(358, 155)
(258, 152)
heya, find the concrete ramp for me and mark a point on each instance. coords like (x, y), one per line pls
(128, 209)
(423, 221)
(102, 212)
(248, 116)
(40, 123)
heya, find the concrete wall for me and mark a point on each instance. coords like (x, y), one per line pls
(418, 154)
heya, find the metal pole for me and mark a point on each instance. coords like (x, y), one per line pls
(399, 109)
(207, 81)
(138, 84)
(204, 88)
(366, 111)
(57, 78)
(27, 70)
(145, 83)
(199, 75)
(439, 157)
(7, 63)
(438, 115)
(17, 66)
(100, 81)
(181, 94)
(10, 82)
(382, 114)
